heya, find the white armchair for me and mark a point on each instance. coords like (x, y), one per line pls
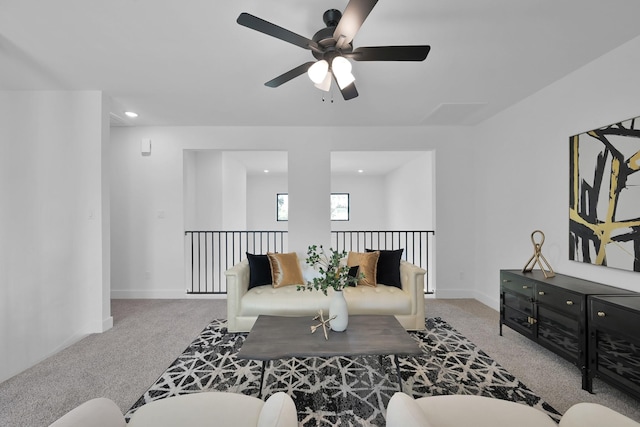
(478, 411)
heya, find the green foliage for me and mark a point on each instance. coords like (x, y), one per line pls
(332, 274)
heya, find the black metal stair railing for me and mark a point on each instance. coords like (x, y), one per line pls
(208, 254)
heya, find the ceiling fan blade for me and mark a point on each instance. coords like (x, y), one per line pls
(390, 53)
(266, 27)
(349, 91)
(289, 75)
(352, 18)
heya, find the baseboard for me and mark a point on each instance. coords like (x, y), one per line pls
(485, 299)
(161, 294)
(107, 323)
(453, 293)
(67, 343)
(489, 301)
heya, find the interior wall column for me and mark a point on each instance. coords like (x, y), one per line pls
(309, 167)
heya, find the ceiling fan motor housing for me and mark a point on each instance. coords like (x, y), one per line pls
(331, 17)
(325, 39)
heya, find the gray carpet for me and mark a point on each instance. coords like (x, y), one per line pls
(148, 335)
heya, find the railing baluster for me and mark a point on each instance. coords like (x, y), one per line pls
(210, 262)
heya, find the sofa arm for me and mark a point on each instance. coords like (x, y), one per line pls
(237, 285)
(412, 281)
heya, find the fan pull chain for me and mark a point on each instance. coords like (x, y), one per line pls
(331, 91)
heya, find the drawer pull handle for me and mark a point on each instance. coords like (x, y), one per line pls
(506, 280)
(525, 287)
(601, 314)
(541, 293)
(569, 302)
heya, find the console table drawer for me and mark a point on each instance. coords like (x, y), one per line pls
(552, 296)
(611, 317)
(521, 287)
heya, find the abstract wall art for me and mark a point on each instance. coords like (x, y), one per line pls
(604, 196)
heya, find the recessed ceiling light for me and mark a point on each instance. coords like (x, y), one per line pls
(131, 114)
(266, 171)
(360, 171)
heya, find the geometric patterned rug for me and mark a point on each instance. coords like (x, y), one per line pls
(342, 391)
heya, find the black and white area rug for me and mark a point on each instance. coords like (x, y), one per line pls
(341, 391)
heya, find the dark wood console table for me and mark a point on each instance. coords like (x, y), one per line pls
(552, 312)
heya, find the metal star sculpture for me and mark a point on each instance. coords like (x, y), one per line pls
(323, 323)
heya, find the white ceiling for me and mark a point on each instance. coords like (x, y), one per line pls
(187, 62)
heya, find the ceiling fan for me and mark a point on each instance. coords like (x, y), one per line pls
(332, 45)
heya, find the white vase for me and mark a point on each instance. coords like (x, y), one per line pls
(338, 307)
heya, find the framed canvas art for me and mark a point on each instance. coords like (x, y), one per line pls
(604, 196)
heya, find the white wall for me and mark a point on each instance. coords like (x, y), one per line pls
(234, 194)
(367, 200)
(261, 201)
(522, 170)
(189, 189)
(142, 185)
(54, 223)
(209, 190)
(412, 185)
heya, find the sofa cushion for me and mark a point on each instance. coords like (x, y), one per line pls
(381, 299)
(259, 270)
(285, 269)
(198, 410)
(481, 411)
(388, 268)
(367, 262)
(288, 301)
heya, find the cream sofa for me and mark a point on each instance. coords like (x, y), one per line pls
(244, 304)
(478, 411)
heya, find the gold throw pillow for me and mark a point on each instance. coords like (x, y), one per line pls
(285, 269)
(367, 263)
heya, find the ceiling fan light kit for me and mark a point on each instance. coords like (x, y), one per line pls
(332, 47)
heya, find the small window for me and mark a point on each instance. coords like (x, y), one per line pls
(339, 207)
(282, 213)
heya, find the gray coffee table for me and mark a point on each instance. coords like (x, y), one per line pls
(280, 337)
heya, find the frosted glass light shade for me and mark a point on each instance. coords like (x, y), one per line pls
(326, 83)
(340, 65)
(318, 71)
(341, 68)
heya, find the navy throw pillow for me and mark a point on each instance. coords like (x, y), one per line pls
(259, 270)
(388, 270)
